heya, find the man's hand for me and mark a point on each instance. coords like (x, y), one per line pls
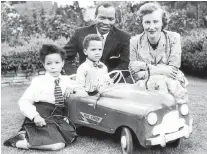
(67, 93)
(39, 121)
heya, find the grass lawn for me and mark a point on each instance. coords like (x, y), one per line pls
(94, 142)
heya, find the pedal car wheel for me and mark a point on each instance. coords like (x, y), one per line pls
(174, 144)
(126, 141)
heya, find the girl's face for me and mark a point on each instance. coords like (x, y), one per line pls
(53, 64)
(152, 24)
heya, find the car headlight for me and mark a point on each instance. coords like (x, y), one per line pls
(152, 118)
(184, 109)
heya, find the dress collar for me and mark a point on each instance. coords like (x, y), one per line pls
(50, 77)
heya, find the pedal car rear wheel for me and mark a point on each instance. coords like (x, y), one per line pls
(126, 141)
(174, 144)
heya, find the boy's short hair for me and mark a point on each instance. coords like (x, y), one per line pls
(48, 49)
(90, 37)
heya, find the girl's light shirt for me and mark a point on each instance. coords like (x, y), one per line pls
(91, 78)
(42, 90)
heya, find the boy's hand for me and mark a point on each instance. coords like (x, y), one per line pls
(39, 121)
(81, 93)
(67, 93)
(108, 83)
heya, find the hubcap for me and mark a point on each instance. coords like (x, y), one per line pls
(123, 142)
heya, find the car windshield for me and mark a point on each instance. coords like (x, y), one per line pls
(121, 76)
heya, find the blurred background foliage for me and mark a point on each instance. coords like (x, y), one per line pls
(26, 25)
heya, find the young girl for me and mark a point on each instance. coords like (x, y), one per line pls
(45, 125)
(92, 75)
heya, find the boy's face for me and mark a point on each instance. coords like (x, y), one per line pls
(94, 50)
(53, 64)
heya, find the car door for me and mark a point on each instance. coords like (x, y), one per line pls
(86, 111)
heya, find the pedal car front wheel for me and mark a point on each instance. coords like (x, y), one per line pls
(126, 141)
(174, 144)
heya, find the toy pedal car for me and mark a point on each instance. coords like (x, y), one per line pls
(153, 118)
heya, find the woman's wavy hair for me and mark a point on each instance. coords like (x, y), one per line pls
(148, 8)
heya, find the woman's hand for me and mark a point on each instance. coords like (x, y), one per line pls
(139, 75)
(39, 121)
(169, 71)
(67, 93)
(136, 66)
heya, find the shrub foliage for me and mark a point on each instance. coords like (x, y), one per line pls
(194, 52)
(26, 57)
(26, 26)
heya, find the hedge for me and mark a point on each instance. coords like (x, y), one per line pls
(194, 53)
(26, 57)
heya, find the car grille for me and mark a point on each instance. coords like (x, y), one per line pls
(170, 123)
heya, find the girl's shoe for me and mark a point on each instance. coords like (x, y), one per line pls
(13, 140)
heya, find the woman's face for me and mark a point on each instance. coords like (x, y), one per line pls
(152, 24)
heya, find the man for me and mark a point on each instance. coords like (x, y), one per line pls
(115, 41)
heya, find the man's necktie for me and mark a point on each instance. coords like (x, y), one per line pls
(59, 99)
(103, 41)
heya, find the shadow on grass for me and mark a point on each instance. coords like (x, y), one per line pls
(99, 135)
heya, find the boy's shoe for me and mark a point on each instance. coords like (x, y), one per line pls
(13, 140)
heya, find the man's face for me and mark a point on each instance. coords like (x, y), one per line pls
(105, 19)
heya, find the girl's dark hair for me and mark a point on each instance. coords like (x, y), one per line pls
(148, 8)
(48, 49)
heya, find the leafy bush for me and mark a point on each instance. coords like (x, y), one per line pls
(194, 55)
(12, 25)
(180, 23)
(23, 20)
(26, 57)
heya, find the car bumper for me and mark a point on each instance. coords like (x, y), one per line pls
(162, 139)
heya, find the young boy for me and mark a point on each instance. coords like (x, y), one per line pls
(92, 75)
(41, 101)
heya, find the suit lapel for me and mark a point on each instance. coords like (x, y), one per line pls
(110, 41)
(92, 30)
(89, 30)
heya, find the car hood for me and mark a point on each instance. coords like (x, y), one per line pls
(136, 100)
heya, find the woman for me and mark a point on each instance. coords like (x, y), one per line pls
(155, 55)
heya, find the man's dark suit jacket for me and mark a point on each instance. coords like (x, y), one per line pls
(116, 49)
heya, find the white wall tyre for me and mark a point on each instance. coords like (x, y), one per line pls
(126, 141)
(174, 144)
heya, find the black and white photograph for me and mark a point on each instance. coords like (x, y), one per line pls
(103, 77)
